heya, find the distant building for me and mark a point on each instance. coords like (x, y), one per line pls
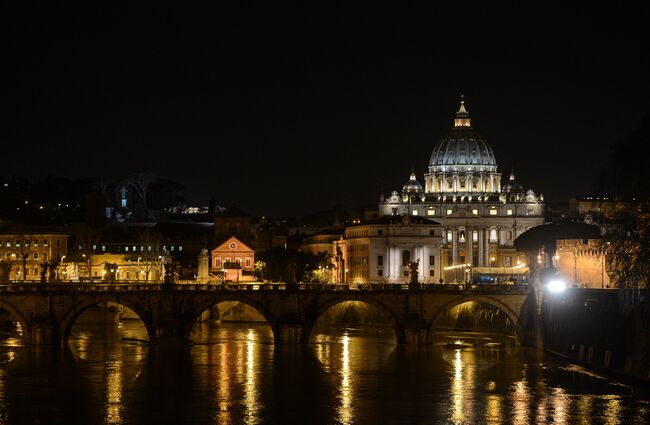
(480, 215)
(24, 251)
(581, 262)
(234, 222)
(233, 260)
(380, 250)
(322, 241)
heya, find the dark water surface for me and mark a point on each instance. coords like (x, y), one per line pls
(234, 375)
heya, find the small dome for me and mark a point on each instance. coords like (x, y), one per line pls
(412, 186)
(512, 186)
(463, 148)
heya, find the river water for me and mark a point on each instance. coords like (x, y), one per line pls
(232, 374)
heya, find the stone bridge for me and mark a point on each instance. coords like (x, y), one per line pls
(47, 312)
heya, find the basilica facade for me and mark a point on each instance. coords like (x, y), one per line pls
(480, 214)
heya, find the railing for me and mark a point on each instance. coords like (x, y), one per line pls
(139, 286)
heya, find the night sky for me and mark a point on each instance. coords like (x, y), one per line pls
(290, 111)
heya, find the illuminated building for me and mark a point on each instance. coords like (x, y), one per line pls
(380, 250)
(31, 249)
(481, 216)
(234, 259)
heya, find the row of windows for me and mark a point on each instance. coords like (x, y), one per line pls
(34, 256)
(27, 243)
(134, 248)
(228, 262)
(461, 236)
(491, 211)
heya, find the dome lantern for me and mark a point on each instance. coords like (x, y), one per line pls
(462, 116)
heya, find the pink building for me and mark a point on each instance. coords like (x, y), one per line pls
(234, 259)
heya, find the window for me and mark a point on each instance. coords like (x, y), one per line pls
(126, 248)
(431, 211)
(475, 212)
(461, 237)
(180, 247)
(432, 260)
(58, 242)
(380, 272)
(432, 232)
(493, 235)
(171, 248)
(94, 247)
(45, 243)
(380, 260)
(380, 232)
(507, 261)
(449, 212)
(509, 211)
(248, 262)
(493, 211)
(450, 236)
(141, 248)
(36, 256)
(415, 212)
(134, 248)
(509, 235)
(217, 262)
(103, 248)
(238, 261)
(474, 236)
(36, 243)
(406, 273)
(406, 257)
(432, 272)
(530, 211)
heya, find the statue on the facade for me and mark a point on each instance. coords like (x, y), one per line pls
(413, 267)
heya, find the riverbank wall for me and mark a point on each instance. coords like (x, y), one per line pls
(603, 329)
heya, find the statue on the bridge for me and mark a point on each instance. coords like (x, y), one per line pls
(413, 267)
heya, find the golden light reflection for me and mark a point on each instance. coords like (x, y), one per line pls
(457, 390)
(114, 393)
(345, 411)
(493, 412)
(613, 410)
(561, 402)
(585, 406)
(521, 404)
(223, 415)
(251, 396)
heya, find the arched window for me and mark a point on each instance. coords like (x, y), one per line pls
(406, 257)
(493, 235)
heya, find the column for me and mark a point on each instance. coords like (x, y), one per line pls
(468, 245)
(486, 248)
(454, 245)
(443, 185)
(481, 248)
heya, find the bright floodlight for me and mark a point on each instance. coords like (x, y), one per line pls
(556, 286)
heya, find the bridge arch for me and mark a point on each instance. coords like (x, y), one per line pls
(513, 316)
(17, 315)
(70, 318)
(321, 308)
(201, 307)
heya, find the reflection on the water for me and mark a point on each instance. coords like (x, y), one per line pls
(234, 375)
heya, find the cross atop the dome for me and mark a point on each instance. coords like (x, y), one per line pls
(462, 116)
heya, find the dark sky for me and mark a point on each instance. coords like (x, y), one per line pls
(291, 111)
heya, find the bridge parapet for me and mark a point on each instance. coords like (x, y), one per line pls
(199, 287)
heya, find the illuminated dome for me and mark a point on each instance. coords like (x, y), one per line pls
(413, 185)
(462, 149)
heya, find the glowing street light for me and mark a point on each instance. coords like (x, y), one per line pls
(556, 286)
